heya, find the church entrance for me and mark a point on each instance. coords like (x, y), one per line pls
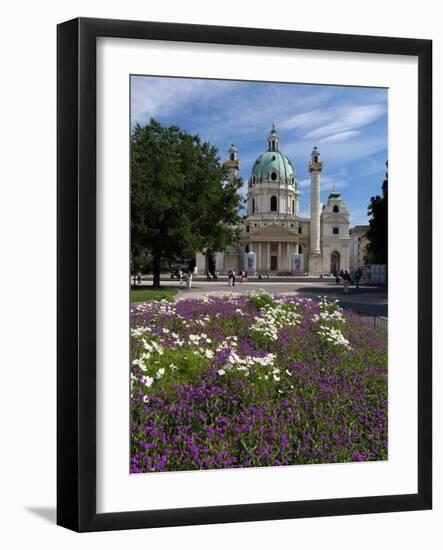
(274, 264)
(335, 263)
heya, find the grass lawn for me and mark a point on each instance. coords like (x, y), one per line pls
(145, 293)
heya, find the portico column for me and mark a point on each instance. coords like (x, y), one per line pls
(259, 267)
(288, 254)
(279, 261)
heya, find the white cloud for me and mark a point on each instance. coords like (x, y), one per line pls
(344, 119)
(299, 151)
(160, 96)
(306, 119)
(341, 136)
(326, 182)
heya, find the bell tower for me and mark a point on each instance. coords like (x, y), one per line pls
(315, 257)
(233, 163)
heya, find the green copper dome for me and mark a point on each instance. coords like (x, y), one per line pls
(273, 165)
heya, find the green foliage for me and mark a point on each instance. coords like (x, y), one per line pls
(259, 301)
(143, 294)
(180, 201)
(377, 250)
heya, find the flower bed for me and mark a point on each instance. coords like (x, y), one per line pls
(237, 381)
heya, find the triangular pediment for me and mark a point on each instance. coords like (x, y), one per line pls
(273, 230)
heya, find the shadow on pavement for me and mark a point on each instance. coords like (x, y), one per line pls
(364, 301)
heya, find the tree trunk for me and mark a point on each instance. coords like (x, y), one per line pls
(156, 270)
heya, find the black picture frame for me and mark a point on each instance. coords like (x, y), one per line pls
(76, 292)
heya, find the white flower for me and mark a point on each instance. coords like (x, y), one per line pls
(160, 373)
(276, 378)
(221, 372)
(147, 381)
(334, 336)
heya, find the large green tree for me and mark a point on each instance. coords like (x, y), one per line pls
(377, 249)
(181, 200)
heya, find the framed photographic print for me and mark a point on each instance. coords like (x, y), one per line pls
(244, 320)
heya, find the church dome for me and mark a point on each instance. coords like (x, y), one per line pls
(273, 165)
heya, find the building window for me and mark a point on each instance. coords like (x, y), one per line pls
(300, 231)
(247, 249)
(293, 206)
(300, 249)
(232, 156)
(335, 231)
(336, 209)
(273, 176)
(247, 229)
(273, 203)
(292, 225)
(253, 206)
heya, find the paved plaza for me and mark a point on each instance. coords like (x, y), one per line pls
(367, 300)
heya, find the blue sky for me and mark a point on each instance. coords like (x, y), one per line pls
(347, 124)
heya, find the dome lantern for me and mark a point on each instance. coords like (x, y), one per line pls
(273, 139)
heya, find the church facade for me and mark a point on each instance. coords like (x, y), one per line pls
(274, 238)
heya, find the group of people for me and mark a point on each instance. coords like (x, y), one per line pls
(212, 275)
(232, 276)
(265, 275)
(349, 279)
(185, 277)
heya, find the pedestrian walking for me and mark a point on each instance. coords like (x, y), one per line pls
(233, 277)
(230, 278)
(346, 282)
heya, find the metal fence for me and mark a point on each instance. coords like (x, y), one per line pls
(375, 321)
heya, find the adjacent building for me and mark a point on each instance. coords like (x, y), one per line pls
(359, 243)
